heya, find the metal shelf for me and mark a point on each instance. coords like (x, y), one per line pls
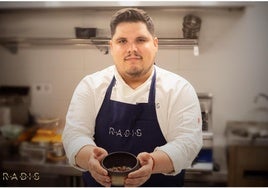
(13, 43)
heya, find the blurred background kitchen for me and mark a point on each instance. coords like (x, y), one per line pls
(220, 47)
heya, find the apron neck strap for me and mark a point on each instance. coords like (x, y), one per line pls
(152, 89)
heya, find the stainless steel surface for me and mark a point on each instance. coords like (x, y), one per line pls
(12, 44)
(247, 133)
(18, 164)
(17, 173)
(31, 170)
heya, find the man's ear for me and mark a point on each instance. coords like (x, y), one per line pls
(156, 42)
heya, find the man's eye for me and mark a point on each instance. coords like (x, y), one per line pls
(141, 40)
(122, 41)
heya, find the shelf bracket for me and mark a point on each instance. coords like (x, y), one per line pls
(103, 49)
(12, 47)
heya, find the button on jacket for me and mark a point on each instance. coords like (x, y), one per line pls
(176, 103)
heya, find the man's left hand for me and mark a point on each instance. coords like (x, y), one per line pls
(140, 176)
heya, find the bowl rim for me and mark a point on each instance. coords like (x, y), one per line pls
(124, 172)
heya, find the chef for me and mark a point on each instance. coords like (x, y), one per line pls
(134, 106)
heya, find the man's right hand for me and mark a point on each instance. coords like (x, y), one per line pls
(96, 170)
(89, 157)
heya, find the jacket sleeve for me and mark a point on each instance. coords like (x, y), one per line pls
(183, 128)
(79, 126)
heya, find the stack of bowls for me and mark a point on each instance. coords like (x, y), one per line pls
(191, 26)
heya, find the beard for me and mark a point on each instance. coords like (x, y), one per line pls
(137, 71)
(134, 68)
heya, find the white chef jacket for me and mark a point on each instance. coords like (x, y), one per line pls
(177, 108)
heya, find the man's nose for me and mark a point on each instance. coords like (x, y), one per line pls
(132, 47)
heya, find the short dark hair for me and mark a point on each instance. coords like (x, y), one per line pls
(131, 15)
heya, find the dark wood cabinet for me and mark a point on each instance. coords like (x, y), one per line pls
(248, 165)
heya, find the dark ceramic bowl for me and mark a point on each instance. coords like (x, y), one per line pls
(119, 165)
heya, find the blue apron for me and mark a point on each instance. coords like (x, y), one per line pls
(133, 128)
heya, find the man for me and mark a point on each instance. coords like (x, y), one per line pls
(134, 106)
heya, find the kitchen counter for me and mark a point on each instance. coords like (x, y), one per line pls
(206, 179)
(247, 144)
(50, 172)
(18, 172)
(59, 168)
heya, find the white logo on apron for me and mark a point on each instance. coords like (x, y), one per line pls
(125, 133)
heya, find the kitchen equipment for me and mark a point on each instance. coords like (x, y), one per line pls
(191, 26)
(48, 134)
(56, 152)
(39, 152)
(205, 100)
(33, 152)
(247, 133)
(49, 123)
(17, 99)
(204, 160)
(85, 33)
(57, 149)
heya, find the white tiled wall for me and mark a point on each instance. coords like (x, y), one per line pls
(232, 65)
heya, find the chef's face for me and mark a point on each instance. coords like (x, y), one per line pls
(133, 49)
